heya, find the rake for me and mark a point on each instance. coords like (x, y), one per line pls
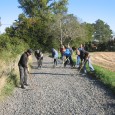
(81, 67)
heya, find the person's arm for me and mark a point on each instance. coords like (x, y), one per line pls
(78, 52)
(53, 54)
(87, 55)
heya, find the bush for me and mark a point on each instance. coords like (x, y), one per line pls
(11, 47)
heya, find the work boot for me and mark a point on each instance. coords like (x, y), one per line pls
(22, 87)
(26, 84)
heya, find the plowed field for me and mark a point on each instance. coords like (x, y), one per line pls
(104, 59)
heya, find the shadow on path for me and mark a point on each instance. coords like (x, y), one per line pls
(53, 74)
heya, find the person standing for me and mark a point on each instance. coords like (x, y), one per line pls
(23, 68)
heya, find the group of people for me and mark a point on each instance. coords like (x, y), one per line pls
(66, 55)
(82, 59)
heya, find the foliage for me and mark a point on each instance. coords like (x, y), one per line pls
(42, 8)
(66, 28)
(10, 47)
(102, 31)
(40, 15)
(34, 29)
(101, 46)
(89, 29)
(46, 23)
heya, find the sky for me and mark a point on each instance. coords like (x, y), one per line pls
(86, 10)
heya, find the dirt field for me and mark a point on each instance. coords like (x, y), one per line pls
(104, 59)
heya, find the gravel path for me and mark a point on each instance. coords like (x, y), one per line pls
(59, 91)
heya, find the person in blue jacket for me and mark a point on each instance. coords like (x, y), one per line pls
(68, 55)
(55, 56)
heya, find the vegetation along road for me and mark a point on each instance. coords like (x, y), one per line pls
(59, 91)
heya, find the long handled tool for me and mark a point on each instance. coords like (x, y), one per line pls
(64, 60)
(81, 67)
(30, 78)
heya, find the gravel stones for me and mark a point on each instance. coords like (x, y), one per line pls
(59, 91)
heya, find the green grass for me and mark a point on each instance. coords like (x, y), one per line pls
(11, 82)
(105, 76)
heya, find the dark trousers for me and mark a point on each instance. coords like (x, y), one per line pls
(55, 61)
(23, 75)
(40, 61)
(70, 59)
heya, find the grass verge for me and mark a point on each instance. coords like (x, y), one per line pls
(11, 82)
(105, 76)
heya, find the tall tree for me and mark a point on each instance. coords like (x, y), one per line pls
(102, 31)
(67, 28)
(89, 29)
(33, 8)
(44, 12)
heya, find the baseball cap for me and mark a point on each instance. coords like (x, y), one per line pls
(29, 51)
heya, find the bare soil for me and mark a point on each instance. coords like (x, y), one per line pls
(104, 59)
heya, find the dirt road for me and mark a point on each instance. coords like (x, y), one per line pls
(59, 91)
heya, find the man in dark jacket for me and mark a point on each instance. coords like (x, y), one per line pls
(86, 59)
(23, 68)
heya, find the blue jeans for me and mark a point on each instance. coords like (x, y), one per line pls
(78, 61)
(89, 64)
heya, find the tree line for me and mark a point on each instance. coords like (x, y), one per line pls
(46, 24)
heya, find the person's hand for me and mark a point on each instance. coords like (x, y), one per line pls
(88, 56)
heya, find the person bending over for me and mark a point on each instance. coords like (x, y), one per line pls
(23, 68)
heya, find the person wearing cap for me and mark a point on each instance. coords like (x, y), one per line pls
(23, 68)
